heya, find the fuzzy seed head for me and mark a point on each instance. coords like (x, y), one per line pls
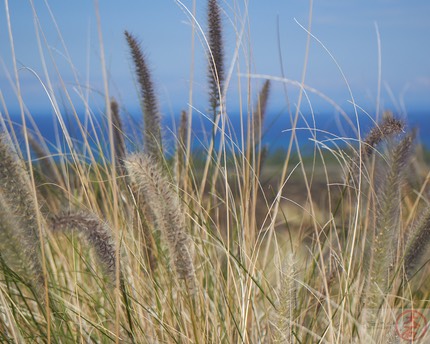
(151, 114)
(97, 233)
(216, 56)
(165, 204)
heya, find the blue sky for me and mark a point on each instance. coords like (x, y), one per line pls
(347, 28)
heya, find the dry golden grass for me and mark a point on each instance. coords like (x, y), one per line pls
(229, 246)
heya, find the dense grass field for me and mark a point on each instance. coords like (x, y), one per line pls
(227, 244)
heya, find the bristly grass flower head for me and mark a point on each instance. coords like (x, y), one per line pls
(216, 55)
(151, 113)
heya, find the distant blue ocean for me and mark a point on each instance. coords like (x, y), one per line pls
(326, 130)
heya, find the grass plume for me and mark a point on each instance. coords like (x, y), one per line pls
(18, 251)
(260, 111)
(118, 138)
(389, 126)
(151, 113)
(142, 223)
(287, 305)
(417, 245)
(388, 217)
(165, 204)
(15, 186)
(216, 55)
(388, 226)
(181, 147)
(17, 197)
(97, 233)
